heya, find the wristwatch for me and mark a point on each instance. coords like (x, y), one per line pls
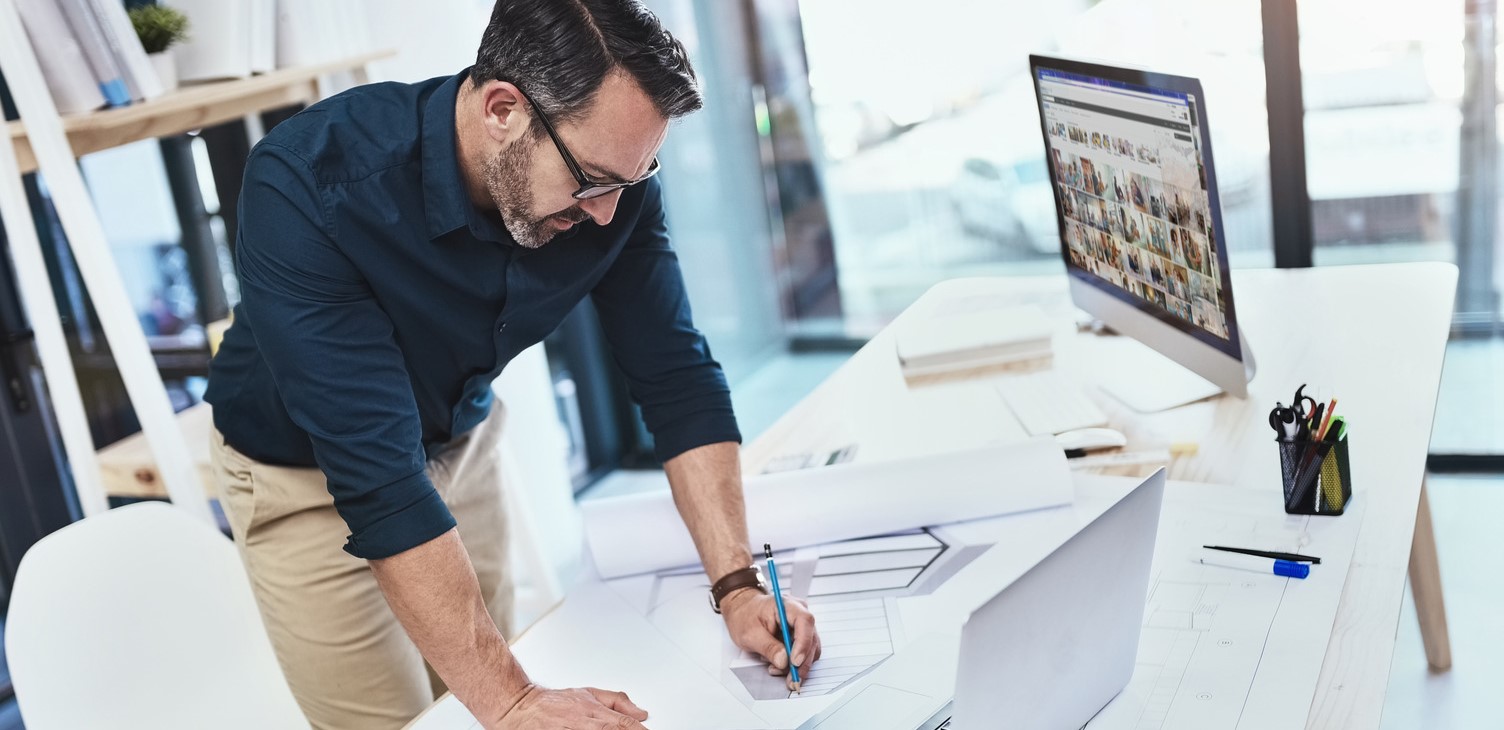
(749, 577)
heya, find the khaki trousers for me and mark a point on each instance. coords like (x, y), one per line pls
(348, 660)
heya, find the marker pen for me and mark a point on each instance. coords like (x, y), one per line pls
(1254, 563)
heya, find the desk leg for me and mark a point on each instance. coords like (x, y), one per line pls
(1425, 583)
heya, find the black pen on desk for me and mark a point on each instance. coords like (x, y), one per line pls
(1292, 557)
(783, 619)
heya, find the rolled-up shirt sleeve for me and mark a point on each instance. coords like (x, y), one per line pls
(334, 359)
(644, 310)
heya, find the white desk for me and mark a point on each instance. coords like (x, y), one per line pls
(1375, 335)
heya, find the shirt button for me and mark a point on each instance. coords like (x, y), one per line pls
(502, 328)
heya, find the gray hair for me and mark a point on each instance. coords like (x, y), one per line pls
(560, 51)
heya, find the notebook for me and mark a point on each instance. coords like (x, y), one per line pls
(954, 340)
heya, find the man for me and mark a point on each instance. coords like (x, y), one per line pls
(396, 249)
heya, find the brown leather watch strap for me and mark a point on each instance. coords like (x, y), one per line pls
(736, 580)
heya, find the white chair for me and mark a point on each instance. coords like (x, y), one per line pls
(141, 617)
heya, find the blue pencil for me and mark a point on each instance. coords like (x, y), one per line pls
(783, 619)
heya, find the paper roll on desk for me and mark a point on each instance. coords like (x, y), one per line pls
(642, 533)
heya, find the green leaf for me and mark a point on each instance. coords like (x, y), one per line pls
(159, 27)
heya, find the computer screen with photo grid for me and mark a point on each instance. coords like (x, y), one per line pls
(1136, 210)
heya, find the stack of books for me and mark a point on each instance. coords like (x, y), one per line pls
(89, 53)
(91, 57)
(950, 341)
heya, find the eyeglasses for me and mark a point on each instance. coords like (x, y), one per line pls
(588, 188)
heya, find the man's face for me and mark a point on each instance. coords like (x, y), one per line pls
(614, 141)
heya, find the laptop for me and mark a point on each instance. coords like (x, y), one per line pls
(1047, 651)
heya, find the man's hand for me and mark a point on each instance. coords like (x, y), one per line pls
(752, 620)
(707, 488)
(586, 708)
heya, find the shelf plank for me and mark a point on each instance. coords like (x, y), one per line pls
(129, 469)
(190, 107)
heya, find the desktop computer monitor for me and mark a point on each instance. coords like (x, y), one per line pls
(1130, 161)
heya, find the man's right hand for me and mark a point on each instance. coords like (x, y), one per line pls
(586, 708)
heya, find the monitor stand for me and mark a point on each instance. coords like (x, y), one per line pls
(1149, 382)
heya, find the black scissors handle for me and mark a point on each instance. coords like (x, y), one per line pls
(1282, 418)
(1302, 412)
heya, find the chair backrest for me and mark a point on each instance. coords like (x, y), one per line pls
(141, 617)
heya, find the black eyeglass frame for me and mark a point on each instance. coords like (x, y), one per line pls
(588, 188)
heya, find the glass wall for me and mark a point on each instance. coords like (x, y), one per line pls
(918, 138)
(1383, 84)
(928, 145)
(717, 214)
(1402, 144)
(137, 213)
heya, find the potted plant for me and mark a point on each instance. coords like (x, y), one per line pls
(160, 28)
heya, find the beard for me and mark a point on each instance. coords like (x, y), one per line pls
(507, 181)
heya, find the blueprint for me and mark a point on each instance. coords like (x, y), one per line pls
(639, 534)
(852, 587)
(1226, 648)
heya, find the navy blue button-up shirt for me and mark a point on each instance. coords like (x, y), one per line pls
(378, 304)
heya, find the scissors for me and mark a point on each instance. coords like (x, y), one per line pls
(1284, 421)
(1299, 404)
(1315, 423)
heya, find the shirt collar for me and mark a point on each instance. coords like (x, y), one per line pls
(445, 201)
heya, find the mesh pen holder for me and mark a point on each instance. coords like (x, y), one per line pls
(1316, 476)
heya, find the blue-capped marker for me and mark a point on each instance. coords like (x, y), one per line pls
(1285, 568)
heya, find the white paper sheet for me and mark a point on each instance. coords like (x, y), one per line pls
(1220, 648)
(1228, 648)
(642, 533)
(856, 636)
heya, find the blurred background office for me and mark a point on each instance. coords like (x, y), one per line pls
(849, 156)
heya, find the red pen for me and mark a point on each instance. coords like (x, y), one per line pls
(1326, 422)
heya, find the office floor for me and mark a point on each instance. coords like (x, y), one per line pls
(769, 392)
(1464, 511)
(759, 399)
(1470, 407)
